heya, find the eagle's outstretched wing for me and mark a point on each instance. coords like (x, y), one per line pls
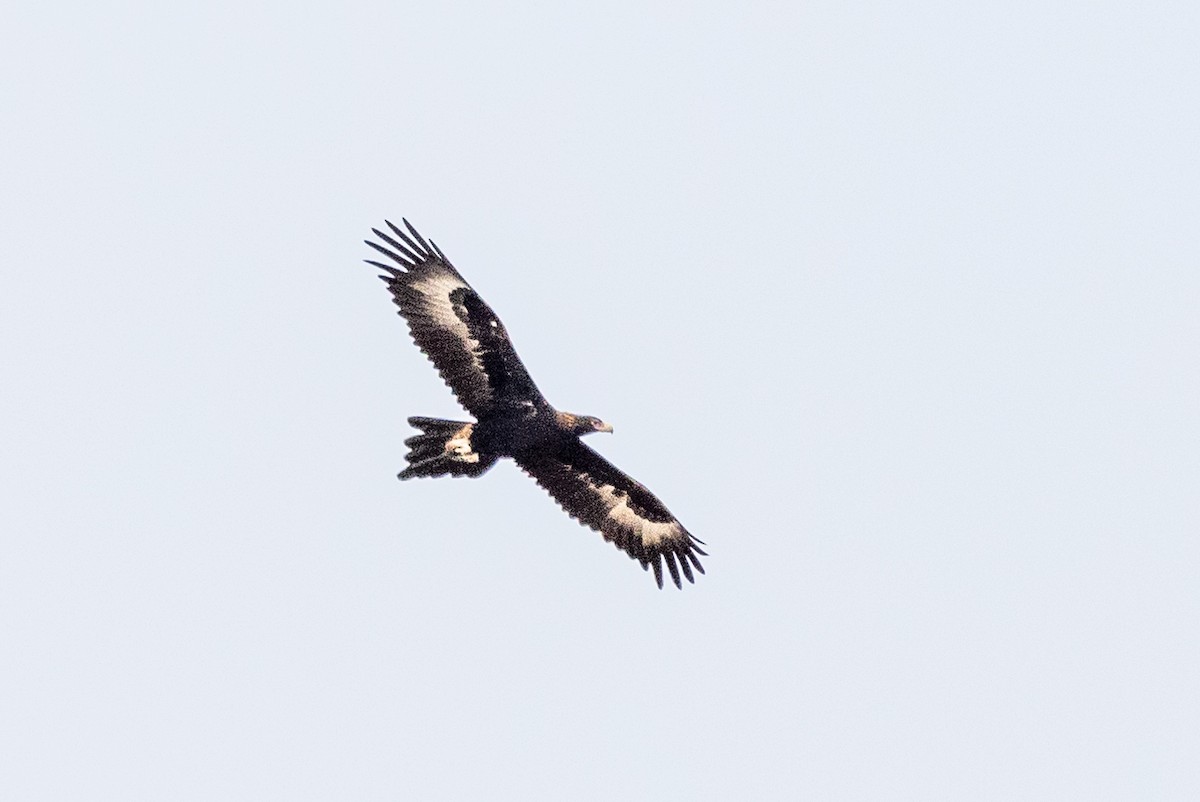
(593, 491)
(452, 325)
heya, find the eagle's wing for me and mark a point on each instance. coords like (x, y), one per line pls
(452, 325)
(592, 490)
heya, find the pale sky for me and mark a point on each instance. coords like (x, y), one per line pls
(896, 306)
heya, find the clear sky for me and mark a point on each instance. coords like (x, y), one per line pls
(896, 305)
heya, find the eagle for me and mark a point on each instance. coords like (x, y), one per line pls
(471, 350)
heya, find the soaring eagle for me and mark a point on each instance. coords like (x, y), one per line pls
(468, 345)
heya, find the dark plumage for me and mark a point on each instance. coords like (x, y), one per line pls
(471, 350)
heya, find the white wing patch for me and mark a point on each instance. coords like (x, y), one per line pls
(651, 532)
(435, 292)
(433, 289)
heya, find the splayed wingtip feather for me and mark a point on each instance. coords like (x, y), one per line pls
(389, 254)
(423, 251)
(687, 568)
(394, 273)
(669, 557)
(409, 252)
(416, 234)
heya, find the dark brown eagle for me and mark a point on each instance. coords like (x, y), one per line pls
(468, 345)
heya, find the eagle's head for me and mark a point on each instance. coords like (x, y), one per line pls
(583, 424)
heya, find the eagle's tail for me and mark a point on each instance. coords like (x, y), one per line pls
(443, 447)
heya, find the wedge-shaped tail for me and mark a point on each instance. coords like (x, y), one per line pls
(443, 448)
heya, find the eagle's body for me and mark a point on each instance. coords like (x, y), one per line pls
(471, 350)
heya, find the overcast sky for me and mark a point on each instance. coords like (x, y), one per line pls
(895, 305)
